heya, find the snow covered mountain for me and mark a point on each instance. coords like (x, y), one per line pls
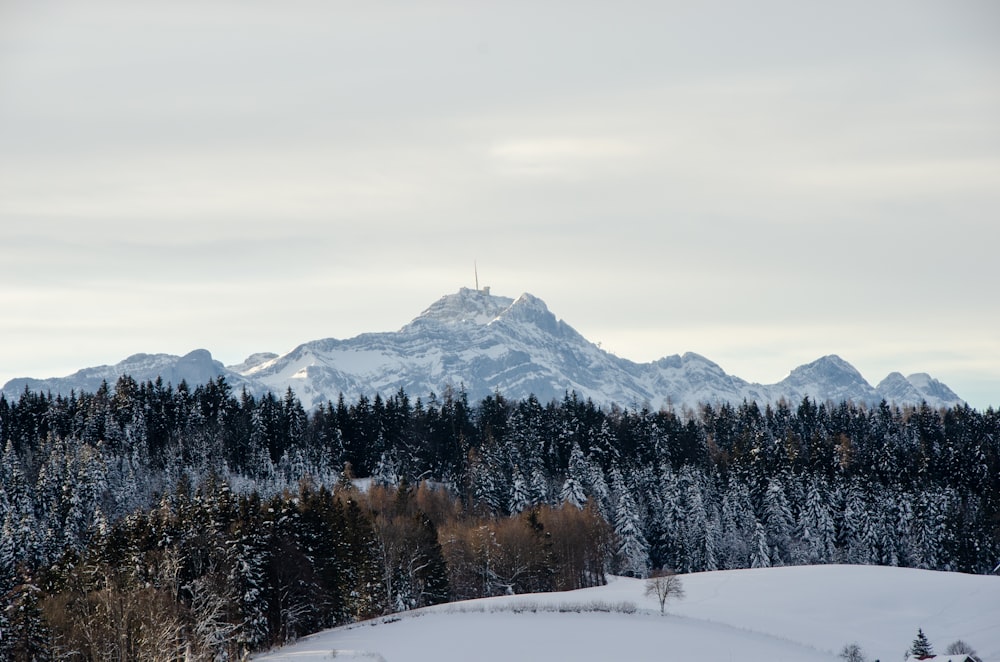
(486, 343)
(483, 342)
(197, 367)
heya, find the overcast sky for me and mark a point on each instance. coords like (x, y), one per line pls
(762, 183)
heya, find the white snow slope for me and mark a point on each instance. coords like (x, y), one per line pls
(798, 614)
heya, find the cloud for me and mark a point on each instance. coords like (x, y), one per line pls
(812, 177)
(565, 157)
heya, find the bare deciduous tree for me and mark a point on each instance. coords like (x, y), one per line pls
(211, 603)
(959, 647)
(664, 584)
(852, 653)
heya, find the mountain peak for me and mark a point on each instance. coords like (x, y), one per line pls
(828, 378)
(930, 388)
(467, 306)
(528, 307)
(828, 367)
(915, 388)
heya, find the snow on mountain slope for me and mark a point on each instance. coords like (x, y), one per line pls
(197, 367)
(472, 339)
(829, 377)
(477, 307)
(252, 361)
(799, 613)
(920, 386)
(487, 343)
(691, 379)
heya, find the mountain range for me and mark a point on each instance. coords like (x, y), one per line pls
(486, 343)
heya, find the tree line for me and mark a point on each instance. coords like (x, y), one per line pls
(214, 523)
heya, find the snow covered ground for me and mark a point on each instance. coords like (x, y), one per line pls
(797, 614)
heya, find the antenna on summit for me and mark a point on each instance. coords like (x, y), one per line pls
(486, 288)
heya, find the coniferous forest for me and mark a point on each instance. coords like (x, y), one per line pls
(146, 521)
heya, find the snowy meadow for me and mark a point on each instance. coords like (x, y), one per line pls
(800, 613)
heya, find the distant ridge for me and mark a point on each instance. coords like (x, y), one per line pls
(196, 367)
(487, 343)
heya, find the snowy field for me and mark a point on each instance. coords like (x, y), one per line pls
(797, 614)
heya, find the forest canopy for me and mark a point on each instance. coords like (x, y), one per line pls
(230, 522)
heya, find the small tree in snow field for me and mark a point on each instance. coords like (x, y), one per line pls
(852, 653)
(664, 584)
(921, 648)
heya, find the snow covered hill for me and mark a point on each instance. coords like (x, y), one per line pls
(800, 614)
(487, 343)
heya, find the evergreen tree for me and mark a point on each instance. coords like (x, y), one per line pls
(520, 493)
(921, 648)
(295, 597)
(777, 520)
(8, 581)
(816, 526)
(633, 550)
(387, 470)
(539, 487)
(851, 524)
(698, 531)
(322, 524)
(668, 521)
(903, 526)
(884, 531)
(361, 584)
(19, 517)
(249, 556)
(737, 525)
(598, 489)
(760, 552)
(492, 475)
(27, 635)
(573, 489)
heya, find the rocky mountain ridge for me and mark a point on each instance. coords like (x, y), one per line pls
(486, 343)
